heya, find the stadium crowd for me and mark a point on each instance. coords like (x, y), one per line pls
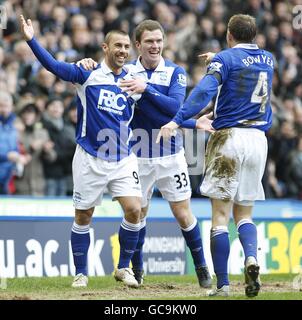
(43, 109)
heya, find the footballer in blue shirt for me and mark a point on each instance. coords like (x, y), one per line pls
(103, 157)
(241, 79)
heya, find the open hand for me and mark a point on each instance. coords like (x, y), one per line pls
(87, 64)
(205, 122)
(27, 28)
(167, 131)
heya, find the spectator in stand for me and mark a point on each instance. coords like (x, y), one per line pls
(71, 120)
(10, 158)
(293, 175)
(35, 141)
(62, 135)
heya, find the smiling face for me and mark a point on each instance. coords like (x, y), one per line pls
(116, 49)
(150, 48)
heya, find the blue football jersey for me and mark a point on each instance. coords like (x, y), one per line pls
(243, 98)
(104, 115)
(159, 103)
(104, 111)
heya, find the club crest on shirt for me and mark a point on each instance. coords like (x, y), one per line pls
(163, 76)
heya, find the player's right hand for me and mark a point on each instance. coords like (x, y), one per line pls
(87, 63)
(27, 28)
(205, 123)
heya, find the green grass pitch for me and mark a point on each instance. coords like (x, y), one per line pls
(274, 287)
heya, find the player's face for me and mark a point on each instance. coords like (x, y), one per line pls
(117, 51)
(150, 47)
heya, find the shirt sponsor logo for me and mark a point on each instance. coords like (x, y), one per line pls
(112, 102)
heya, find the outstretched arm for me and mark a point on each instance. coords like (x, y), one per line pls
(169, 130)
(199, 98)
(201, 95)
(63, 70)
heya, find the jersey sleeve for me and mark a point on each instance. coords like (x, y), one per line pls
(220, 64)
(199, 98)
(65, 71)
(170, 103)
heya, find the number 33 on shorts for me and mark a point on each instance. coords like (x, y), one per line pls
(181, 180)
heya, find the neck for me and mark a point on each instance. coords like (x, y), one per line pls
(116, 70)
(149, 65)
(233, 44)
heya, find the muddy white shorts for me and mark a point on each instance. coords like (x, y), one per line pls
(93, 176)
(235, 163)
(169, 174)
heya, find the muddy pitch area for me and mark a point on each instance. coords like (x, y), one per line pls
(147, 291)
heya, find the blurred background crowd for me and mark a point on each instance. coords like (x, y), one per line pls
(39, 111)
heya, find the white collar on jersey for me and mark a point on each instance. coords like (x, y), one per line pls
(247, 46)
(160, 67)
(107, 70)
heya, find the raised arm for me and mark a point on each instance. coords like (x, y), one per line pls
(65, 71)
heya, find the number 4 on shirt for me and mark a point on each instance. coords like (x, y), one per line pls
(261, 86)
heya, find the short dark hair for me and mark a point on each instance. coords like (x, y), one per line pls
(149, 25)
(112, 32)
(30, 107)
(243, 28)
(51, 100)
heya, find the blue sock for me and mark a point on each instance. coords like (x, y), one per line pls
(194, 242)
(80, 241)
(220, 249)
(248, 237)
(137, 258)
(128, 237)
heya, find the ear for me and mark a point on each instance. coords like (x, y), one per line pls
(104, 46)
(230, 38)
(137, 44)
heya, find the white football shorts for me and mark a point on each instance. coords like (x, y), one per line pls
(93, 176)
(169, 174)
(235, 163)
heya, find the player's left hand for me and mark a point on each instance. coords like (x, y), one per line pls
(133, 86)
(205, 122)
(167, 131)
